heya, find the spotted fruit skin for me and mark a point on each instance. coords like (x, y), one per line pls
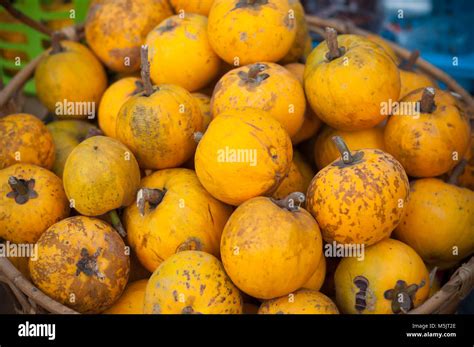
(82, 263)
(360, 203)
(196, 6)
(188, 218)
(191, 282)
(429, 144)
(298, 179)
(280, 94)
(303, 301)
(261, 137)
(100, 175)
(204, 103)
(269, 251)
(242, 43)
(115, 30)
(438, 222)
(180, 53)
(74, 76)
(113, 99)
(159, 128)
(24, 223)
(132, 299)
(347, 92)
(302, 44)
(404, 264)
(24, 138)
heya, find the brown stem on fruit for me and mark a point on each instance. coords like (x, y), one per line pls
(21, 190)
(331, 40)
(145, 71)
(7, 4)
(254, 76)
(292, 202)
(409, 64)
(117, 223)
(150, 195)
(457, 171)
(56, 47)
(427, 103)
(197, 136)
(347, 157)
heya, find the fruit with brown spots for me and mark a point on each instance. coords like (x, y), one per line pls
(70, 80)
(438, 222)
(302, 44)
(132, 299)
(204, 103)
(412, 79)
(248, 148)
(346, 80)
(175, 214)
(303, 301)
(298, 178)
(67, 134)
(269, 247)
(325, 151)
(31, 200)
(360, 197)
(180, 53)
(266, 86)
(24, 138)
(100, 175)
(433, 141)
(115, 30)
(82, 263)
(392, 278)
(113, 99)
(191, 282)
(241, 44)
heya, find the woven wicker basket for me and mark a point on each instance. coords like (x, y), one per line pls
(30, 299)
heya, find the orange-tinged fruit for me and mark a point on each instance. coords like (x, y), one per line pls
(303, 301)
(191, 282)
(132, 299)
(194, 6)
(300, 49)
(82, 263)
(24, 138)
(31, 200)
(298, 178)
(316, 281)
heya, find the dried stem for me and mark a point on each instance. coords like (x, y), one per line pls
(18, 186)
(346, 155)
(410, 63)
(56, 43)
(25, 19)
(145, 71)
(292, 202)
(427, 103)
(331, 40)
(116, 222)
(152, 196)
(458, 170)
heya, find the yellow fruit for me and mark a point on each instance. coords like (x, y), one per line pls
(194, 6)
(132, 299)
(298, 178)
(316, 281)
(191, 282)
(303, 301)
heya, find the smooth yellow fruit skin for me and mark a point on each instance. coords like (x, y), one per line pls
(191, 282)
(299, 49)
(281, 95)
(159, 128)
(388, 49)
(24, 223)
(74, 75)
(242, 44)
(180, 53)
(303, 301)
(63, 273)
(262, 137)
(194, 6)
(204, 103)
(188, 217)
(325, 151)
(427, 145)
(100, 175)
(347, 92)
(360, 203)
(411, 80)
(311, 123)
(67, 134)
(384, 264)
(438, 222)
(132, 299)
(298, 178)
(115, 30)
(24, 138)
(269, 251)
(316, 281)
(113, 99)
